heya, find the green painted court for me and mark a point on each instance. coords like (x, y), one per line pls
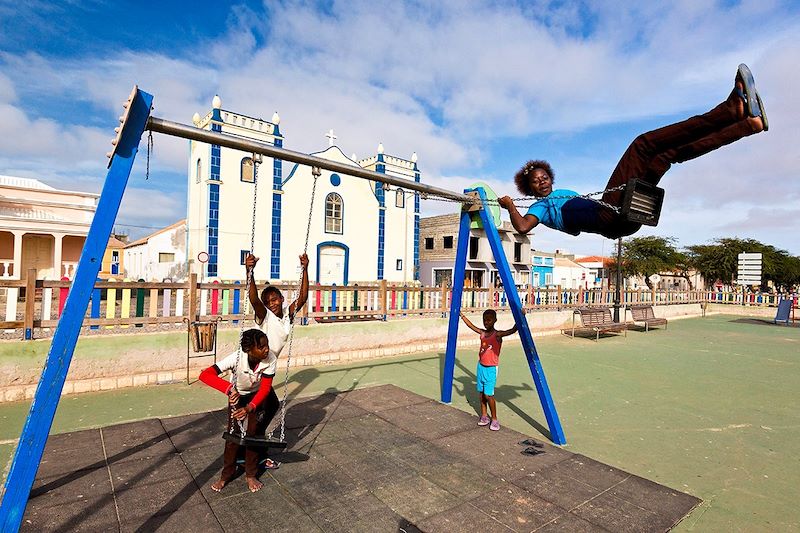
(706, 407)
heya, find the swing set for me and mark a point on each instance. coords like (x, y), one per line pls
(135, 120)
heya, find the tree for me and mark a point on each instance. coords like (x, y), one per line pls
(719, 261)
(714, 262)
(645, 256)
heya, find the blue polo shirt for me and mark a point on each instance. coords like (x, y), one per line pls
(548, 210)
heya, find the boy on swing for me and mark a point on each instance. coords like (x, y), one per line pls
(250, 396)
(488, 361)
(647, 159)
(272, 316)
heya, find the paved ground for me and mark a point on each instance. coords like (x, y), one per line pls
(373, 459)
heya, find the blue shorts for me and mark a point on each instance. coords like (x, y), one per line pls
(486, 377)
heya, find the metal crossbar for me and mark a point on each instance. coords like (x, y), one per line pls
(176, 129)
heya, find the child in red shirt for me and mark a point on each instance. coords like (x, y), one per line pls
(488, 361)
(250, 397)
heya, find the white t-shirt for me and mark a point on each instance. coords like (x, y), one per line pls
(248, 380)
(277, 330)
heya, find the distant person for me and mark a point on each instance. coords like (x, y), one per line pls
(488, 362)
(647, 159)
(250, 397)
(272, 316)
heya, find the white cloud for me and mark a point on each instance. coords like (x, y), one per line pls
(7, 93)
(142, 206)
(445, 80)
(45, 140)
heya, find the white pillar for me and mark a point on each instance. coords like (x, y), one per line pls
(18, 254)
(57, 272)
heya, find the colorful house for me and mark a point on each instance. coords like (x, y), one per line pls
(542, 264)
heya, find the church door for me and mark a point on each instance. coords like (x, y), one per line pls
(331, 265)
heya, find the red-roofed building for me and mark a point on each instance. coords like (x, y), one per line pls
(597, 270)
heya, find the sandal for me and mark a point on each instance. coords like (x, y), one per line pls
(269, 464)
(749, 94)
(531, 451)
(531, 442)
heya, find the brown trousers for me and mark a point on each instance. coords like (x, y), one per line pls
(257, 423)
(651, 154)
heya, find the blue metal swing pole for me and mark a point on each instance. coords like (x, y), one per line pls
(537, 372)
(43, 408)
(455, 307)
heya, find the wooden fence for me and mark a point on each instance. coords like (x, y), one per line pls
(122, 305)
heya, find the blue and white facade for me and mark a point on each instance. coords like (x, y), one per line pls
(361, 231)
(542, 265)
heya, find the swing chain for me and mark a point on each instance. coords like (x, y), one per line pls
(150, 148)
(316, 172)
(250, 273)
(528, 199)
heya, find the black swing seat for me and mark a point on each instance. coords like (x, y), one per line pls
(256, 442)
(642, 203)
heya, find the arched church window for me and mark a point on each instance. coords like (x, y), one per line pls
(399, 198)
(247, 170)
(199, 171)
(333, 213)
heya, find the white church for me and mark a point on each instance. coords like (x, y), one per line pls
(360, 230)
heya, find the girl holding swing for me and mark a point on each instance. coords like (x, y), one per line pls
(647, 159)
(251, 397)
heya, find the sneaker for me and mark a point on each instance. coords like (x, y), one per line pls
(483, 421)
(495, 425)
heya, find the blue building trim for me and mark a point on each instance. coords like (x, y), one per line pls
(346, 258)
(380, 194)
(277, 202)
(213, 203)
(542, 266)
(416, 226)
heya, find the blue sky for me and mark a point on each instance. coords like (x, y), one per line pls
(475, 89)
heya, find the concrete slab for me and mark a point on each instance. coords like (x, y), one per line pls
(312, 411)
(321, 489)
(569, 523)
(71, 452)
(81, 501)
(269, 509)
(615, 514)
(137, 440)
(403, 463)
(430, 420)
(517, 508)
(414, 497)
(465, 517)
(358, 511)
(191, 431)
(377, 399)
(464, 480)
(555, 487)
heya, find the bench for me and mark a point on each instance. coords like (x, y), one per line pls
(598, 320)
(784, 308)
(643, 316)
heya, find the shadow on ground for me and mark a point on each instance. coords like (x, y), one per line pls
(372, 459)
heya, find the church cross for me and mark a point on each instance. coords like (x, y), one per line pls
(331, 137)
